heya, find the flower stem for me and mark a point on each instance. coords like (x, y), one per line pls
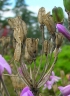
(4, 86)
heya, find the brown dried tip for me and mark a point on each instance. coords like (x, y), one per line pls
(41, 12)
(48, 21)
(31, 48)
(46, 47)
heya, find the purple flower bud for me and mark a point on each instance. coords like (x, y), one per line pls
(65, 90)
(63, 30)
(26, 92)
(4, 64)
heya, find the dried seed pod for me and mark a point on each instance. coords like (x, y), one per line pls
(46, 47)
(32, 46)
(48, 21)
(31, 49)
(17, 82)
(27, 56)
(58, 40)
(20, 29)
(17, 52)
(41, 12)
(5, 40)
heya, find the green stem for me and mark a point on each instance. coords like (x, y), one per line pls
(4, 86)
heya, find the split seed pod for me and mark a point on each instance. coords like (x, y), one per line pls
(19, 27)
(41, 12)
(31, 48)
(48, 21)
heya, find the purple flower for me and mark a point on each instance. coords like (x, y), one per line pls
(54, 78)
(63, 30)
(48, 85)
(4, 64)
(51, 81)
(65, 90)
(26, 92)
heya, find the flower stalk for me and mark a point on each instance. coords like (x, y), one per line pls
(4, 86)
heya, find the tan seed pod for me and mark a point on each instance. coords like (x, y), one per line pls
(19, 27)
(27, 56)
(41, 12)
(17, 82)
(32, 46)
(59, 39)
(31, 49)
(5, 40)
(17, 52)
(46, 47)
(49, 23)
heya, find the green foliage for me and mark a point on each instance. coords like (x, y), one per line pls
(63, 61)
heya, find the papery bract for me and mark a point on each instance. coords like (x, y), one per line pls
(4, 64)
(65, 90)
(26, 92)
(63, 30)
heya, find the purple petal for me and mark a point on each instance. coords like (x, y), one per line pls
(4, 64)
(53, 74)
(25, 94)
(1, 70)
(63, 30)
(48, 85)
(26, 90)
(65, 90)
(30, 93)
(55, 78)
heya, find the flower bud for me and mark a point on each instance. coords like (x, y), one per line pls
(66, 4)
(58, 14)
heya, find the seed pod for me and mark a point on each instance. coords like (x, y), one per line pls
(66, 4)
(46, 47)
(17, 52)
(41, 12)
(31, 48)
(58, 15)
(59, 39)
(48, 21)
(19, 27)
